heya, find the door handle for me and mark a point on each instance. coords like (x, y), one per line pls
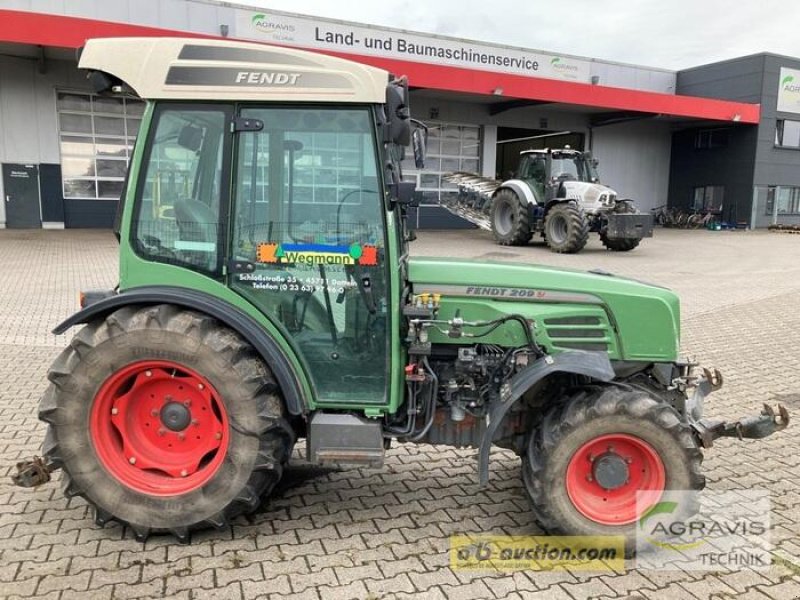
(8, 198)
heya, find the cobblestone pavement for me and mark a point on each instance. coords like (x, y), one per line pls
(384, 534)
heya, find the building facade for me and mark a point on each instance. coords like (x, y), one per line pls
(702, 138)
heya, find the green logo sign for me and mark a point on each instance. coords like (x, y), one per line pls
(787, 80)
(554, 60)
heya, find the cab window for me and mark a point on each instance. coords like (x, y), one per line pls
(179, 196)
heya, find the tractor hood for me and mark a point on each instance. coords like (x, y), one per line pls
(591, 196)
(643, 318)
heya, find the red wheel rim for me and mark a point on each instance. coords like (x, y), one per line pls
(606, 474)
(159, 428)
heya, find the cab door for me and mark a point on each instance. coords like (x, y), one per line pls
(308, 242)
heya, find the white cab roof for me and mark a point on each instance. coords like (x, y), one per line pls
(203, 69)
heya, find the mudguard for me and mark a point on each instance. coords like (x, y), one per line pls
(590, 364)
(223, 311)
(521, 189)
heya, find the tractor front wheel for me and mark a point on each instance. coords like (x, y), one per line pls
(594, 456)
(619, 244)
(566, 230)
(164, 420)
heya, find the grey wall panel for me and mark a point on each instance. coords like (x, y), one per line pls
(634, 160)
(174, 14)
(55, 7)
(738, 79)
(145, 12)
(84, 8)
(113, 10)
(204, 18)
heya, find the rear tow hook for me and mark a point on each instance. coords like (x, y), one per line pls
(756, 427)
(32, 473)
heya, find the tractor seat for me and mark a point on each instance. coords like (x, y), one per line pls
(196, 221)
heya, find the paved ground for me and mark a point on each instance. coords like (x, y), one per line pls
(367, 534)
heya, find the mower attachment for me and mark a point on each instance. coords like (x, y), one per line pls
(756, 427)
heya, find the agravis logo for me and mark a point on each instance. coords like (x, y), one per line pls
(263, 22)
(788, 86)
(558, 65)
(660, 529)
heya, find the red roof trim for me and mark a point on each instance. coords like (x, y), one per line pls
(72, 32)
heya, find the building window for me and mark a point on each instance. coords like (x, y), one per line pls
(450, 148)
(96, 136)
(783, 200)
(709, 198)
(711, 138)
(787, 133)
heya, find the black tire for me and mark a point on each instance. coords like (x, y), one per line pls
(511, 224)
(619, 244)
(590, 413)
(259, 438)
(566, 229)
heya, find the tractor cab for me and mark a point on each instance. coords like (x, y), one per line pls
(274, 174)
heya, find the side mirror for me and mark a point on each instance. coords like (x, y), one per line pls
(397, 112)
(190, 137)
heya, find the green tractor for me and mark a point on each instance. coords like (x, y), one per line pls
(266, 294)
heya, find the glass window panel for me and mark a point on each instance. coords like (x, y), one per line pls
(111, 168)
(469, 164)
(111, 147)
(69, 101)
(79, 188)
(109, 125)
(470, 148)
(72, 145)
(109, 189)
(133, 126)
(791, 134)
(471, 133)
(108, 105)
(77, 167)
(429, 180)
(134, 107)
(783, 198)
(452, 131)
(451, 147)
(450, 164)
(75, 123)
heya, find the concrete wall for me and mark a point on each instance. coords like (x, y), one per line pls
(28, 119)
(634, 160)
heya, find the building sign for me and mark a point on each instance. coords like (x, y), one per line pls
(789, 91)
(304, 32)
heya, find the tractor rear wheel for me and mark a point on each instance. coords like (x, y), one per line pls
(619, 244)
(590, 458)
(164, 420)
(511, 224)
(566, 230)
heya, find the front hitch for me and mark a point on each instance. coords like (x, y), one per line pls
(756, 427)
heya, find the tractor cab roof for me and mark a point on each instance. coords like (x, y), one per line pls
(206, 69)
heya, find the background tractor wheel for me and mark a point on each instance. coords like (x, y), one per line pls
(619, 244)
(565, 228)
(164, 420)
(590, 457)
(511, 224)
